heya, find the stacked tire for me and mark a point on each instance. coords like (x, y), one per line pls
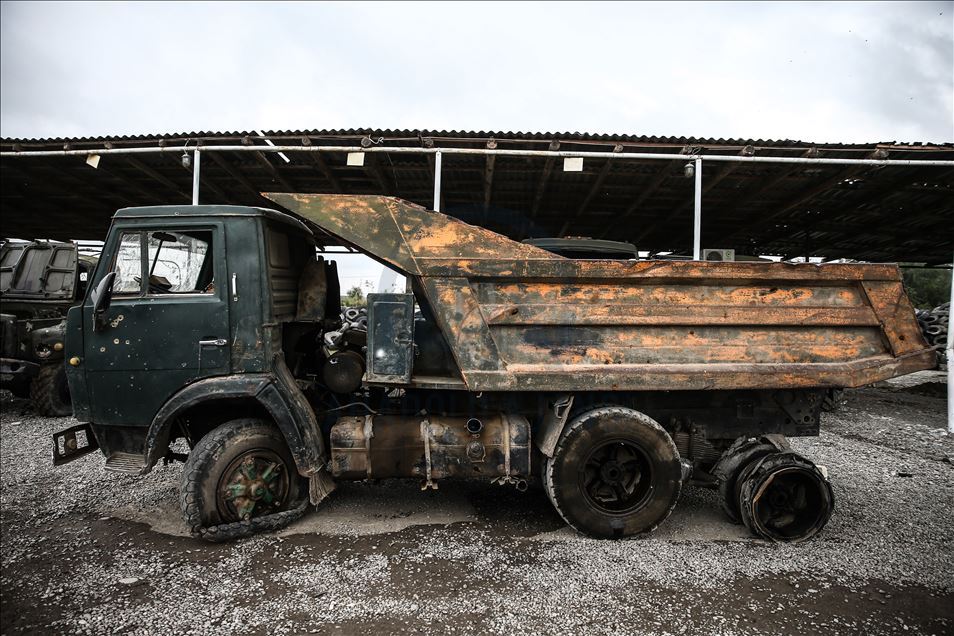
(935, 325)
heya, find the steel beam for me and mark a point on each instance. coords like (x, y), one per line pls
(196, 165)
(437, 182)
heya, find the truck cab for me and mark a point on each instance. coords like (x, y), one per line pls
(180, 297)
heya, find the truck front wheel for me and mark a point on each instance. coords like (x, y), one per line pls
(50, 392)
(240, 479)
(614, 473)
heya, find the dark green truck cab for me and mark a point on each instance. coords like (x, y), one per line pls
(201, 341)
(614, 382)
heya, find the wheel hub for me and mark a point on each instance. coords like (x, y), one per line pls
(611, 472)
(617, 477)
(253, 485)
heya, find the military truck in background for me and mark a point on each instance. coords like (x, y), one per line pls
(39, 282)
(614, 383)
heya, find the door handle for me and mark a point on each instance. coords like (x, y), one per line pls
(218, 342)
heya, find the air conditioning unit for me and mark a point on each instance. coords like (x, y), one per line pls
(718, 255)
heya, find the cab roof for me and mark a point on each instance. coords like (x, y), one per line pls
(192, 211)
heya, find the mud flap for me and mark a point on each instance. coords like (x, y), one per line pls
(73, 443)
(320, 485)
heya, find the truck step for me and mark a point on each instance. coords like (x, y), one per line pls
(129, 463)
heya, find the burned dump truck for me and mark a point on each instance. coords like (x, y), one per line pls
(613, 383)
(39, 282)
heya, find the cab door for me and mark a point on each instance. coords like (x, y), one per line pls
(167, 324)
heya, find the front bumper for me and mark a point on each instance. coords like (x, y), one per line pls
(13, 371)
(73, 443)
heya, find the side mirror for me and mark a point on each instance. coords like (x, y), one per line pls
(102, 295)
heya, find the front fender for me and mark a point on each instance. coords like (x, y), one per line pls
(291, 414)
(45, 339)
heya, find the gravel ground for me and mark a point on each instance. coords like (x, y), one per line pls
(89, 552)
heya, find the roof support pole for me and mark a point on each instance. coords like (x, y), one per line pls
(196, 163)
(697, 217)
(437, 181)
(950, 362)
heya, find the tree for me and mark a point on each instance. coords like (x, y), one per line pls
(927, 288)
(354, 298)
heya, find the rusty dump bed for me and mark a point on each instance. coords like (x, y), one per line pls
(519, 318)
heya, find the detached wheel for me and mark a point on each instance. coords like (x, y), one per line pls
(731, 471)
(785, 498)
(240, 479)
(615, 472)
(50, 392)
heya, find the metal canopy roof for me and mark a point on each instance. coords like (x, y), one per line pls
(875, 213)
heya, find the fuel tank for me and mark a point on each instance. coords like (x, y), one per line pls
(431, 447)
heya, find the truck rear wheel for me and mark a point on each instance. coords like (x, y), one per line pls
(50, 392)
(240, 479)
(614, 473)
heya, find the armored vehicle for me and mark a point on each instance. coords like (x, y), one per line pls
(612, 382)
(39, 282)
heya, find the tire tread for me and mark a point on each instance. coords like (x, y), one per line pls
(199, 460)
(44, 392)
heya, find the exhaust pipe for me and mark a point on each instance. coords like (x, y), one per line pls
(784, 497)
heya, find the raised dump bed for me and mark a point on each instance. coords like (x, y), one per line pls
(518, 317)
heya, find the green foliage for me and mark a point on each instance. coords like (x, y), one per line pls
(927, 288)
(354, 298)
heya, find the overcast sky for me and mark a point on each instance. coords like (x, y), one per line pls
(817, 72)
(850, 72)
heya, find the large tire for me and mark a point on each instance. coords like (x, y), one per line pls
(228, 489)
(614, 473)
(50, 391)
(730, 471)
(785, 498)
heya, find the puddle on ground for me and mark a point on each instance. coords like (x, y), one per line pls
(353, 509)
(361, 509)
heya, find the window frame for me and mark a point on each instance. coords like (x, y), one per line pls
(115, 262)
(215, 244)
(179, 230)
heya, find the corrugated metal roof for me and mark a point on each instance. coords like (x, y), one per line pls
(865, 212)
(391, 134)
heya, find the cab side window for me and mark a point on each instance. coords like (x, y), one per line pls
(180, 262)
(128, 265)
